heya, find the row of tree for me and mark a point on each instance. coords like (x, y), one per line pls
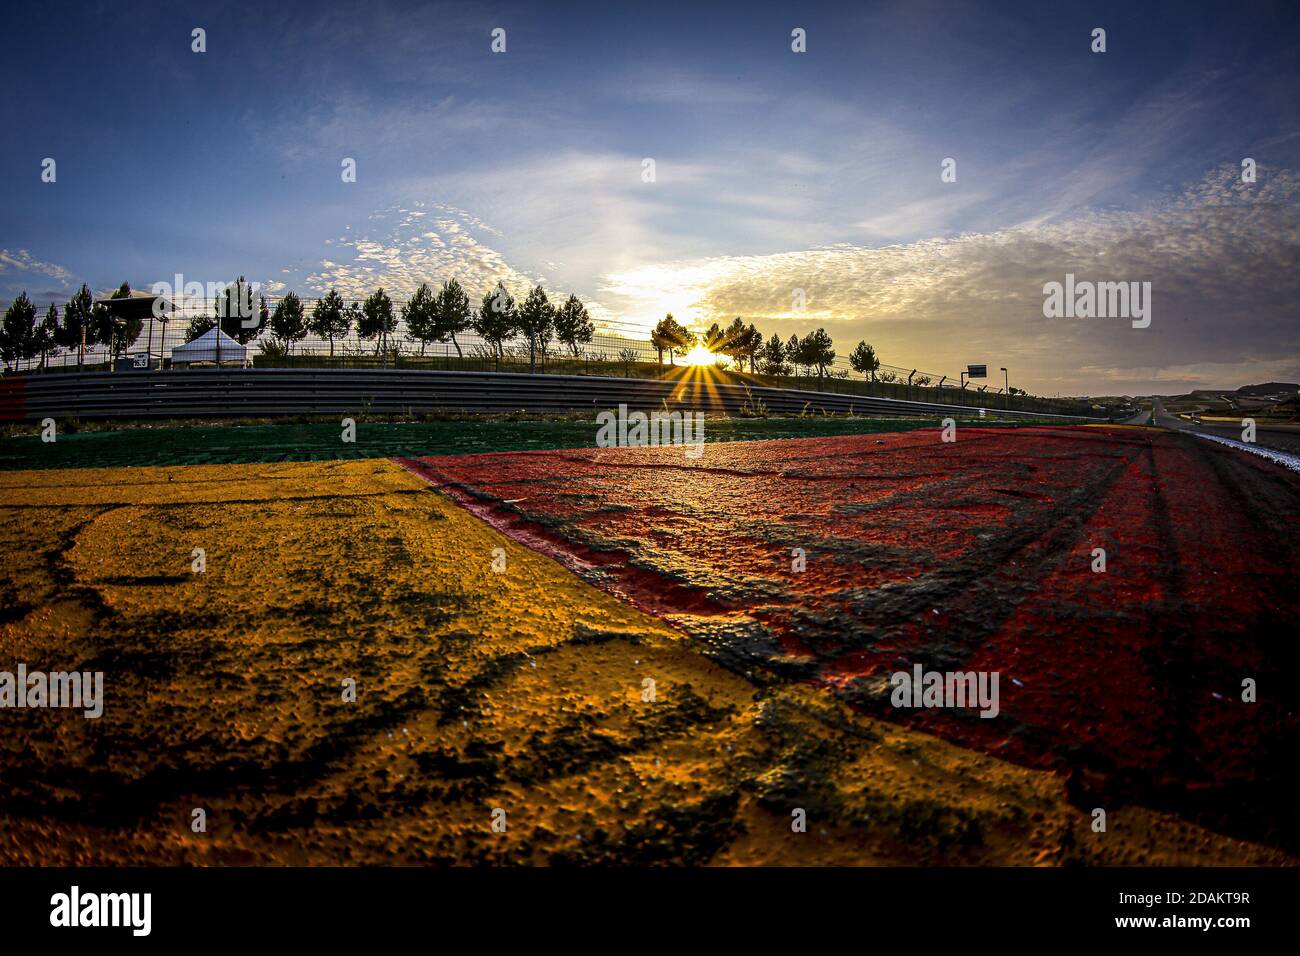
(429, 317)
(744, 345)
(82, 324)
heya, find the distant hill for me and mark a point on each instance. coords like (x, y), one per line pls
(1270, 388)
(1279, 390)
(1275, 401)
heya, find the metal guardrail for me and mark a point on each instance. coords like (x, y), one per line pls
(234, 393)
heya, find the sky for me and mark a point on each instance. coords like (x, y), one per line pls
(777, 175)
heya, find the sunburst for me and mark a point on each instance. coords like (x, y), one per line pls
(700, 355)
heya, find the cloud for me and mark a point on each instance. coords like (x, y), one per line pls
(20, 270)
(1221, 255)
(922, 215)
(21, 260)
(561, 220)
(1222, 258)
(405, 246)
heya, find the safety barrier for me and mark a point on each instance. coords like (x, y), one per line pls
(235, 393)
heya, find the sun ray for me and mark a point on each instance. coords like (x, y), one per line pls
(700, 355)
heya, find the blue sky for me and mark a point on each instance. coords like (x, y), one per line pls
(774, 170)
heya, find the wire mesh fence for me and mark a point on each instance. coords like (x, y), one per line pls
(175, 341)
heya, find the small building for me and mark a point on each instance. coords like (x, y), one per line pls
(213, 347)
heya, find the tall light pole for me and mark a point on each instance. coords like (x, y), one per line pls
(1006, 381)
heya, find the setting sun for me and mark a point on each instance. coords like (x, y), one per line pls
(700, 355)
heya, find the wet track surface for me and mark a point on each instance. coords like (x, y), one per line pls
(972, 555)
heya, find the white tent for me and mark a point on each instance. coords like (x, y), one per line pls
(206, 347)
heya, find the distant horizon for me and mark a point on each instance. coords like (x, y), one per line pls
(617, 329)
(913, 178)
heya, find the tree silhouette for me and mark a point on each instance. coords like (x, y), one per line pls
(239, 318)
(198, 325)
(794, 353)
(76, 328)
(753, 346)
(659, 339)
(452, 314)
(682, 338)
(18, 331)
(329, 318)
(773, 356)
(573, 325)
(496, 321)
(670, 336)
(818, 350)
(377, 319)
(536, 323)
(354, 316)
(714, 338)
(863, 359)
(421, 318)
(731, 341)
(288, 322)
(45, 333)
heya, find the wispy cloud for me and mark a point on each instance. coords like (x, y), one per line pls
(402, 247)
(18, 269)
(1223, 258)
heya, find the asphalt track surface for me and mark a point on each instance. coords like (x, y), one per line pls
(1284, 438)
(971, 555)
